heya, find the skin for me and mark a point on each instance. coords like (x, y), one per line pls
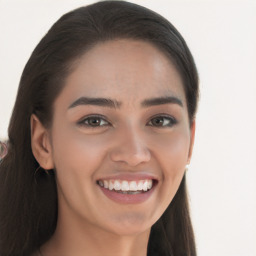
(127, 142)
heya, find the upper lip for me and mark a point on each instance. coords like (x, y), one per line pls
(130, 177)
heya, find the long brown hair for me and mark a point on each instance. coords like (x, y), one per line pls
(28, 198)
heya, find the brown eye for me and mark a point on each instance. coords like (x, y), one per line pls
(163, 121)
(94, 121)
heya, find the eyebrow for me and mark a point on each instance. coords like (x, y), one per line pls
(110, 103)
(103, 102)
(161, 101)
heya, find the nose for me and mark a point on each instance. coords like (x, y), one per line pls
(131, 149)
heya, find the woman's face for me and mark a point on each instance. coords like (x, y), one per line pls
(121, 121)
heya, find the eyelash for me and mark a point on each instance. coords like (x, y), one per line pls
(93, 117)
(171, 120)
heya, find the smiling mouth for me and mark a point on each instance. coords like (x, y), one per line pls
(128, 187)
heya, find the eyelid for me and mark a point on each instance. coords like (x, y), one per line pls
(82, 121)
(171, 118)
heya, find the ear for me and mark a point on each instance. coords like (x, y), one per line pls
(192, 139)
(40, 143)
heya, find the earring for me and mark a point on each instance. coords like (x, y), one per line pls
(186, 168)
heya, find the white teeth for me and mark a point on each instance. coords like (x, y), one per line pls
(133, 186)
(105, 184)
(117, 185)
(145, 186)
(142, 185)
(125, 186)
(150, 184)
(110, 186)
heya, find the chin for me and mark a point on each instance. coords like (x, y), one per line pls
(130, 225)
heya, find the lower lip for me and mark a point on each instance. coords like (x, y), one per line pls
(127, 198)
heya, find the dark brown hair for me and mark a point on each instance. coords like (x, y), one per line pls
(28, 199)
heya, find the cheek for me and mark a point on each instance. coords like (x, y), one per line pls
(75, 152)
(77, 159)
(172, 150)
(171, 155)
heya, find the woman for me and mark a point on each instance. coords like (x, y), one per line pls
(101, 133)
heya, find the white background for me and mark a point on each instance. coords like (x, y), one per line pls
(222, 37)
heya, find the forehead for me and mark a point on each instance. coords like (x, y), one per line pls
(126, 70)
